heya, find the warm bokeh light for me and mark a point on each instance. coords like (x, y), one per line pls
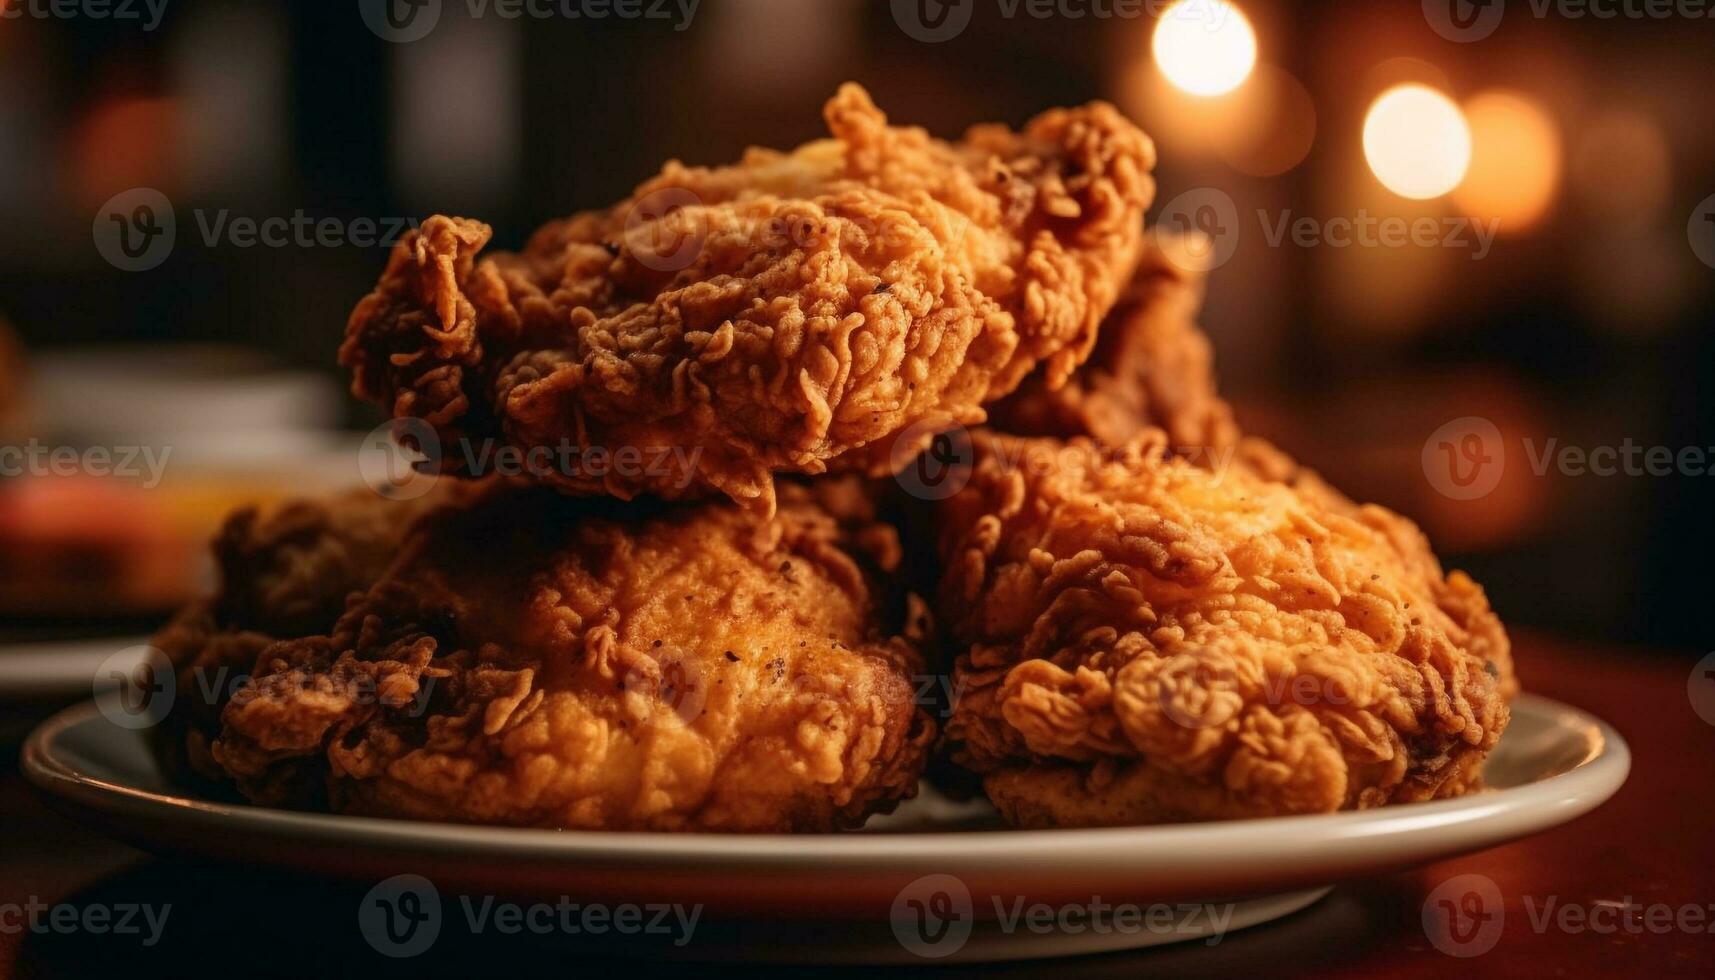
(1417, 141)
(1515, 161)
(1621, 169)
(1203, 48)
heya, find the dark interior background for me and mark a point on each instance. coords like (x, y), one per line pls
(1591, 327)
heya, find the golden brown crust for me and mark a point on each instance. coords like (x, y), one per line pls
(1143, 640)
(536, 660)
(1152, 366)
(792, 313)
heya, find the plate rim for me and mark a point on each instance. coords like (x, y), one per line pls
(59, 668)
(1580, 789)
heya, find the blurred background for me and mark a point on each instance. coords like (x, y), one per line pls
(1551, 176)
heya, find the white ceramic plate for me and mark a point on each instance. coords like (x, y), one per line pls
(62, 671)
(1554, 764)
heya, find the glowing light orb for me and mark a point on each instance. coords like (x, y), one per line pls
(1204, 48)
(1417, 141)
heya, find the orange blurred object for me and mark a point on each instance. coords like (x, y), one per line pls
(126, 143)
(1515, 161)
(92, 546)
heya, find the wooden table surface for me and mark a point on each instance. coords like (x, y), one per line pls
(1651, 846)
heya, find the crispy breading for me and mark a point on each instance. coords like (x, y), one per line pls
(825, 309)
(532, 659)
(1152, 366)
(1143, 640)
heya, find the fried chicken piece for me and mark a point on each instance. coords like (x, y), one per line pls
(284, 573)
(1152, 366)
(537, 660)
(825, 309)
(1144, 640)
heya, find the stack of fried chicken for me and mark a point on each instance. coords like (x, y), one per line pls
(1138, 614)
